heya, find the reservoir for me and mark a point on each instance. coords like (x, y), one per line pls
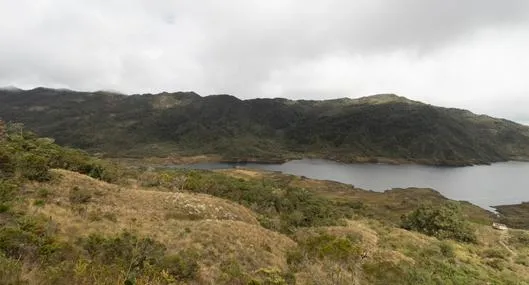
(483, 185)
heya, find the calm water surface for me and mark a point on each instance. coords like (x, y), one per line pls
(485, 186)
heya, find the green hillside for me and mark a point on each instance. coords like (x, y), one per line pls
(377, 128)
(69, 218)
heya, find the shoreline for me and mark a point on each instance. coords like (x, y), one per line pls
(183, 160)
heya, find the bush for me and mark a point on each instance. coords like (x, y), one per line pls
(497, 263)
(33, 166)
(520, 239)
(43, 193)
(447, 250)
(10, 271)
(30, 157)
(335, 248)
(8, 190)
(183, 266)
(445, 221)
(31, 238)
(125, 248)
(283, 207)
(496, 253)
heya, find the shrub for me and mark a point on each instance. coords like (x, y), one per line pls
(444, 221)
(30, 237)
(14, 241)
(271, 276)
(43, 193)
(283, 207)
(496, 253)
(30, 157)
(10, 271)
(33, 166)
(183, 266)
(519, 239)
(80, 196)
(497, 263)
(126, 251)
(233, 273)
(8, 190)
(447, 250)
(324, 245)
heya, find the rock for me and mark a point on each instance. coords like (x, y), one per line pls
(499, 226)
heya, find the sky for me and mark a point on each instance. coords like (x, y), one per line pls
(471, 54)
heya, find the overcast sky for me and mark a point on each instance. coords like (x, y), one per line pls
(470, 54)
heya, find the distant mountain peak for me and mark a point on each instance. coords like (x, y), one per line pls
(384, 99)
(383, 126)
(10, 88)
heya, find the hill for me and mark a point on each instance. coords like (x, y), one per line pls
(385, 128)
(68, 218)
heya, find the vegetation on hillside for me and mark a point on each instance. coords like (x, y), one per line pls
(378, 128)
(31, 240)
(443, 221)
(68, 218)
(515, 215)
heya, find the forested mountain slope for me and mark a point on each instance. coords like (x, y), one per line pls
(375, 128)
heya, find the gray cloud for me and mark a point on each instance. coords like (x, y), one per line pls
(469, 54)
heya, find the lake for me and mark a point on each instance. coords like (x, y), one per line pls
(483, 185)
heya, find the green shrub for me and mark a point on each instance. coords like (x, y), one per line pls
(33, 166)
(30, 237)
(271, 276)
(447, 249)
(283, 207)
(233, 273)
(519, 239)
(8, 190)
(183, 266)
(496, 253)
(345, 249)
(14, 241)
(295, 257)
(30, 157)
(444, 221)
(125, 249)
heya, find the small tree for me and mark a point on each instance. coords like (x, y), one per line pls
(444, 221)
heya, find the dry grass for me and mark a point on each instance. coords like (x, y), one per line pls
(223, 232)
(145, 206)
(219, 230)
(387, 244)
(246, 174)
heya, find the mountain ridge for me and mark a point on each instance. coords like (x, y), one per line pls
(378, 128)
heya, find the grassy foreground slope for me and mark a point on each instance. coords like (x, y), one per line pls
(67, 218)
(376, 128)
